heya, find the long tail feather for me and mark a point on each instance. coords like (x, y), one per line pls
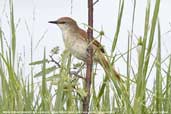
(106, 66)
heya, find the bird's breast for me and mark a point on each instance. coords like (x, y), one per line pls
(76, 45)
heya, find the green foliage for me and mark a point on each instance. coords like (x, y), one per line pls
(59, 89)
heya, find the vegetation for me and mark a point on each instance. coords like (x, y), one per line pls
(61, 88)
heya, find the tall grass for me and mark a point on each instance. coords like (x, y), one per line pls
(60, 89)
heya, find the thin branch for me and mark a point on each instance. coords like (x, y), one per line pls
(53, 60)
(89, 61)
(95, 2)
(75, 73)
(71, 7)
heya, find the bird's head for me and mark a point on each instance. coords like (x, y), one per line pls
(65, 23)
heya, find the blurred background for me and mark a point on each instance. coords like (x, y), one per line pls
(34, 33)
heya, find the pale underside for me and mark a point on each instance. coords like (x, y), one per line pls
(78, 46)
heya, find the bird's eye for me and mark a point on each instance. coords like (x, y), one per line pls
(62, 22)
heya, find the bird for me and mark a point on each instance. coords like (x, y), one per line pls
(76, 41)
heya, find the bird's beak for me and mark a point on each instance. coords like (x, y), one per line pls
(53, 22)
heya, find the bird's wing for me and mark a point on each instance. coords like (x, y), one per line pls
(101, 59)
(95, 42)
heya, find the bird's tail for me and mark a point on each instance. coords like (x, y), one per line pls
(106, 66)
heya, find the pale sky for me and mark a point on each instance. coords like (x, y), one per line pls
(105, 16)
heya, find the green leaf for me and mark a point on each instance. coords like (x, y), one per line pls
(50, 78)
(39, 62)
(48, 70)
(81, 92)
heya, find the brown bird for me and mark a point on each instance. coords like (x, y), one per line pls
(76, 41)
